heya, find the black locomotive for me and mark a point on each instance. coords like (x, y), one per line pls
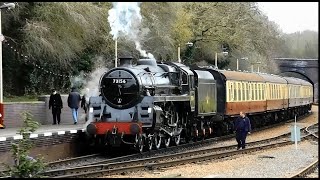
(151, 103)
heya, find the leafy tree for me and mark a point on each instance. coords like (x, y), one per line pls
(67, 38)
(301, 45)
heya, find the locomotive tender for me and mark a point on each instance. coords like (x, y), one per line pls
(156, 103)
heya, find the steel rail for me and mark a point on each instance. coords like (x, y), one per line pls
(145, 163)
(101, 167)
(138, 155)
(310, 168)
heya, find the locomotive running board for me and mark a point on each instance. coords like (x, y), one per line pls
(171, 98)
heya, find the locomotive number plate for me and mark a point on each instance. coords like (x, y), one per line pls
(119, 81)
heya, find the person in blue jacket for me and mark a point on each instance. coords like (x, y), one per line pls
(242, 128)
(74, 100)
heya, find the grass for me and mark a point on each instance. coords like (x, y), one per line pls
(20, 98)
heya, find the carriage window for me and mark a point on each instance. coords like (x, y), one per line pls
(239, 92)
(247, 91)
(259, 90)
(255, 91)
(276, 91)
(235, 92)
(245, 97)
(285, 91)
(191, 82)
(289, 95)
(184, 78)
(270, 89)
(294, 91)
(279, 92)
(253, 96)
(269, 92)
(251, 91)
(230, 90)
(262, 91)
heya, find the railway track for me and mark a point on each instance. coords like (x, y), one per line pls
(170, 159)
(60, 167)
(98, 158)
(314, 165)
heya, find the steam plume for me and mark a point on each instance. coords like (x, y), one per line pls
(125, 18)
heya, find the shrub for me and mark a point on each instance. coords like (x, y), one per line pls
(24, 165)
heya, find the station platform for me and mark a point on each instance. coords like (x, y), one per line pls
(8, 134)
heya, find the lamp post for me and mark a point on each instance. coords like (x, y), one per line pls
(244, 58)
(8, 6)
(116, 53)
(189, 44)
(216, 58)
(179, 59)
(258, 66)
(253, 64)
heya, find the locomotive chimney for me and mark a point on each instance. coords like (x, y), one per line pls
(126, 61)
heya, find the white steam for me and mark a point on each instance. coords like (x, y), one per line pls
(125, 18)
(122, 18)
(143, 52)
(91, 85)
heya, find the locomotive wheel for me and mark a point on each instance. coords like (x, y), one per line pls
(167, 141)
(150, 143)
(177, 139)
(140, 143)
(157, 141)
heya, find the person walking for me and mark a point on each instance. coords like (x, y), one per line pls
(74, 100)
(84, 103)
(55, 102)
(242, 127)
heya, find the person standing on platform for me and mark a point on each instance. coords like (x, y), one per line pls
(55, 102)
(242, 127)
(74, 100)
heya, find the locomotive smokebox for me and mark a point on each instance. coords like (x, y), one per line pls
(126, 61)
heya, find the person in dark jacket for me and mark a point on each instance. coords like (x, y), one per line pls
(74, 100)
(84, 103)
(242, 127)
(55, 102)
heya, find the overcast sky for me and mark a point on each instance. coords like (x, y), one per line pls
(292, 16)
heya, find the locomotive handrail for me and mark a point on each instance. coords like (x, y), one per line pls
(152, 79)
(152, 75)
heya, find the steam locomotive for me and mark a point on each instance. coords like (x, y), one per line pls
(153, 104)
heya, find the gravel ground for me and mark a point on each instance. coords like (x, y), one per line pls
(273, 163)
(315, 174)
(276, 131)
(278, 162)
